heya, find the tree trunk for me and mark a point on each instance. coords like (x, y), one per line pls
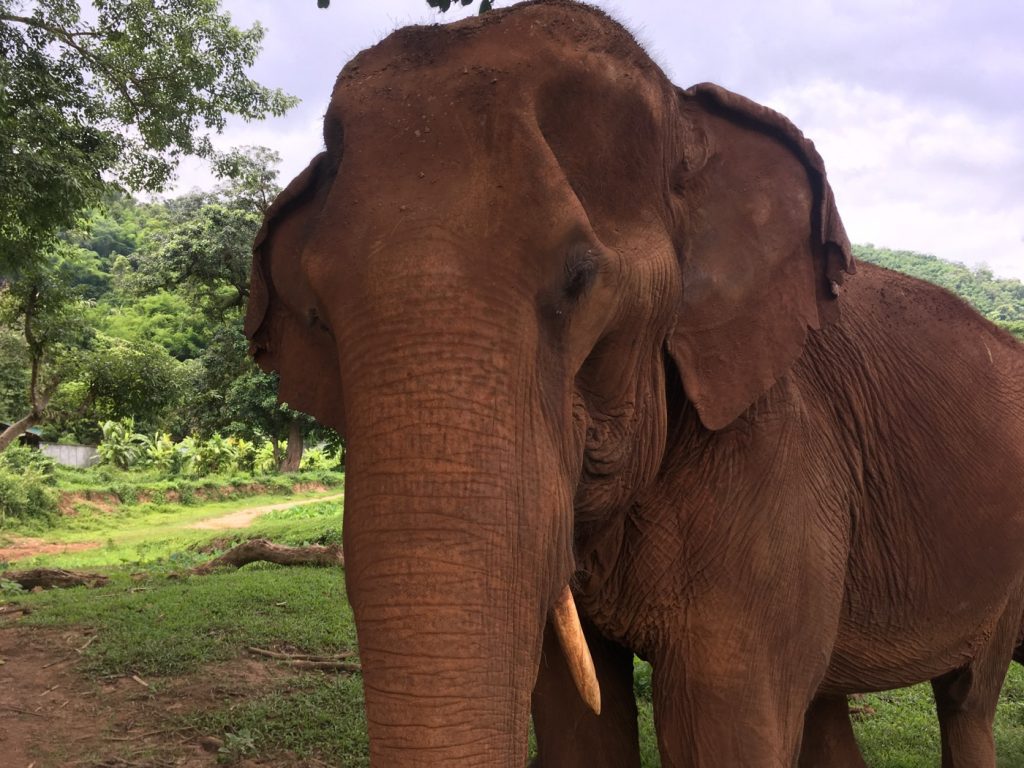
(38, 398)
(18, 428)
(293, 453)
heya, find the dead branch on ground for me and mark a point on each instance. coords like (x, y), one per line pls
(262, 550)
(47, 578)
(309, 661)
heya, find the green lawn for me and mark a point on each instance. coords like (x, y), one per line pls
(162, 625)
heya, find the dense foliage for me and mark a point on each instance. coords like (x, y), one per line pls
(1000, 300)
(138, 315)
(111, 96)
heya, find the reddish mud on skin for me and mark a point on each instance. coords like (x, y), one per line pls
(582, 327)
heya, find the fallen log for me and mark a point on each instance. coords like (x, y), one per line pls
(47, 578)
(261, 550)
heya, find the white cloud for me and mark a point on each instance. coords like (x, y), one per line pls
(914, 177)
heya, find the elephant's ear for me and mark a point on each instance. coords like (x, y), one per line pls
(761, 247)
(284, 330)
(259, 278)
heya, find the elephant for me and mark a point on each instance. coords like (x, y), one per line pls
(611, 382)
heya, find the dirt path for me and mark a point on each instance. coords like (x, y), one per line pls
(243, 518)
(18, 547)
(21, 547)
(52, 717)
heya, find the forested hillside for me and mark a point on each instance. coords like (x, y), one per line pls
(137, 314)
(1000, 300)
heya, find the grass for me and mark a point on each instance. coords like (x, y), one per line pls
(903, 732)
(167, 626)
(161, 627)
(309, 715)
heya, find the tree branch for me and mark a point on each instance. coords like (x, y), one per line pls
(48, 578)
(116, 79)
(30, 22)
(256, 550)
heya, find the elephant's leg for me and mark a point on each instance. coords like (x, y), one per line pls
(966, 699)
(965, 719)
(828, 736)
(569, 735)
(716, 711)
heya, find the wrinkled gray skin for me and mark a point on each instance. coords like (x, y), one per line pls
(578, 325)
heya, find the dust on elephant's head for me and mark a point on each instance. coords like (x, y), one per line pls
(521, 245)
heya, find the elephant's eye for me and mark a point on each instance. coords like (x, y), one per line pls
(581, 270)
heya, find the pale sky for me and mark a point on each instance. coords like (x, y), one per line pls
(916, 106)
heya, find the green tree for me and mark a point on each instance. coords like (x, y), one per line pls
(43, 307)
(14, 375)
(163, 317)
(72, 372)
(207, 251)
(113, 100)
(206, 255)
(251, 402)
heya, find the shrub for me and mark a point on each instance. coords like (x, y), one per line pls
(318, 459)
(245, 453)
(263, 461)
(25, 495)
(216, 455)
(20, 458)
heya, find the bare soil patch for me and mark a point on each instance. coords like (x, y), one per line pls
(244, 517)
(68, 503)
(53, 717)
(19, 547)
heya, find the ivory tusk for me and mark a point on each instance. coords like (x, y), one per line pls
(574, 646)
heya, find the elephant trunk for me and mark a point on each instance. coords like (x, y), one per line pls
(458, 545)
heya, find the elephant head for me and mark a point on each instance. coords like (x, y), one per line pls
(521, 244)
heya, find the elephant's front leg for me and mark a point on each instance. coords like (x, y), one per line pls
(733, 681)
(569, 735)
(722, 712)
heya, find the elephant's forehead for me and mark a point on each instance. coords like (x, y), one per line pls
(528, 42)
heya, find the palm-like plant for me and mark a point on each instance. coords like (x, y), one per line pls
(121, 446)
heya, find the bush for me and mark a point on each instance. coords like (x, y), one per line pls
(245, 453)
(25, 495)
(264, 462)
(215, 456)
(20, 458)
(319, 459)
